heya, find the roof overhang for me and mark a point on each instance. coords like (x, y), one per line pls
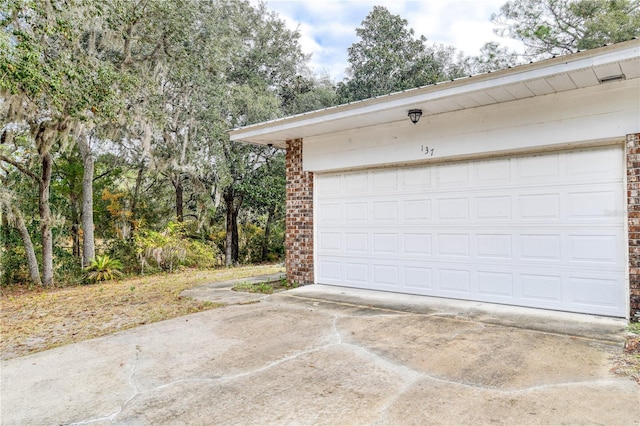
(571, 72)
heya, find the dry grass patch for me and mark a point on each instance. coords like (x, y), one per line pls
(32, 321)
(627, 363)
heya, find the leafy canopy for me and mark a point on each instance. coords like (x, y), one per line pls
(557, 27)
(388, 58)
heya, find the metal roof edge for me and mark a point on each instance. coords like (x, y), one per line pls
(593, 57)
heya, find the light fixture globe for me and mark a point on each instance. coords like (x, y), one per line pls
(414, 115)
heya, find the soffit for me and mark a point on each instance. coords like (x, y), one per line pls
(571, 72)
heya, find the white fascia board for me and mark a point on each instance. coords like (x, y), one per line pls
(520, 74)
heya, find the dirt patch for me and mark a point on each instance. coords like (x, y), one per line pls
(40, 319)
(628, 362)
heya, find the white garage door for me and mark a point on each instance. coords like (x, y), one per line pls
(542, 230)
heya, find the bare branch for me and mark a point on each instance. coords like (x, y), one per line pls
(21, 168)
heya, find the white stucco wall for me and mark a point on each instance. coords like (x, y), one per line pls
(602, 113)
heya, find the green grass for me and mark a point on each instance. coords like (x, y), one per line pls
(263, 288)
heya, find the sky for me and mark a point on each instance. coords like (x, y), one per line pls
(327, 27)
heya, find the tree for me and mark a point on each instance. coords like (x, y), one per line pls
(558, 27)
(492, 57)
(265, 193)
(388, 58)
(307, 94)
(50, 88)
(264, 57)
(14, 215)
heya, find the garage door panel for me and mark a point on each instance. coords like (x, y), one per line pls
(540, 247)
(386, 275)
(416, 210)
(493, 172)
(531, 231)
(356, 242)
(453, 209)
(493, 208)
(494, 246)
(493, 284)
(453, 245)
(356, 182)
(419, 244)
(415, 179)
(330, 271)
(356, 272)
(538, 168)
(591, 205)
(384, 211)
(592, 291)
(541, 287)
(541, 207)
(418, 278)
(596, 248)
(603, 164)
(386, 243)
(454, 282)
(452, 175)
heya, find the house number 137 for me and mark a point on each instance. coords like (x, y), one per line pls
(427, 151)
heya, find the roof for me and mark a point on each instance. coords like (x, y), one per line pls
(578, 70)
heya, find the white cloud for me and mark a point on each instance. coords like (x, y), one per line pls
(328, 27)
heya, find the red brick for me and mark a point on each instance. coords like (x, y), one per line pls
(633, 220)
(299, 217)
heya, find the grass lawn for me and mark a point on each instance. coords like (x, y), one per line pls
(40, 319)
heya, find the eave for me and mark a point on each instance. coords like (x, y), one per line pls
(571, 72)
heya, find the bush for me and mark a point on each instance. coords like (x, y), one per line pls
(13, 259)
(172, 249)
(103, 268)
(125, 250)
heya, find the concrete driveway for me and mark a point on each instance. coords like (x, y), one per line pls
(327, 355)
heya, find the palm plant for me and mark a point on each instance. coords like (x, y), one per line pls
(103, 268)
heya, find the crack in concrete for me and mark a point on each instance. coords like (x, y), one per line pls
(406, 375)
(136, 392)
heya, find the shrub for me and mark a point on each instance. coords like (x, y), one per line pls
(103, 268)
(172, 249)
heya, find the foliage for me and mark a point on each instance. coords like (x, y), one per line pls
(103, 268)
(12, 266)
(556, 27)
(151, 88)
(171, 249)
(492, 57)
(387, 58)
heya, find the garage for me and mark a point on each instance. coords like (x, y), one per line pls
(518, 187)
(543, 230)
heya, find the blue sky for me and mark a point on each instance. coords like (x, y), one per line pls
(328, 26)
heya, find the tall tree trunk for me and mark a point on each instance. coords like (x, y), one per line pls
(235, 243)
(88, 238)
(267, 234)
(228, 254)
(136, 195)
(75, 225)
(177, 184)
(45, 220)
(75, 241)
(32, 261)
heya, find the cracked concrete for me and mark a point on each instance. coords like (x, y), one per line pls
(300, 358)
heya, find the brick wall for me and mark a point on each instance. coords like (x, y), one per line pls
(633, 214)
(299, 217)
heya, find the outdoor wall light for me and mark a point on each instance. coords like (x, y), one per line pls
(414, 115)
